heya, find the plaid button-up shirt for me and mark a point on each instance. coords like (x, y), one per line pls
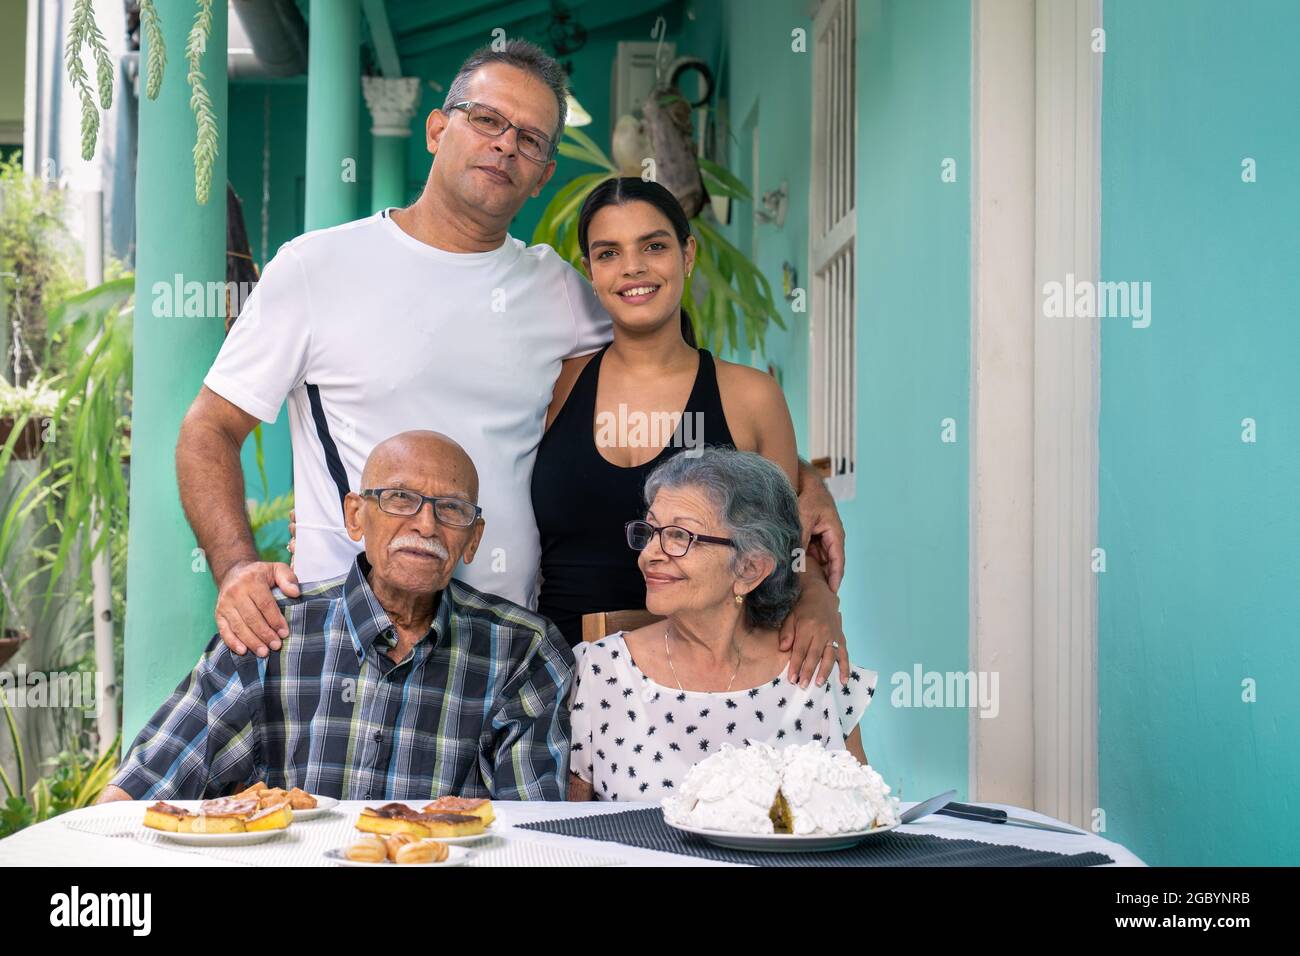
(475, 709)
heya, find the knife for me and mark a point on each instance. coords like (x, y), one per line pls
(968, 811)
(925, 808)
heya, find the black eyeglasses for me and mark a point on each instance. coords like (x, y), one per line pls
(492, 123)
(455, 512)
(675, 540)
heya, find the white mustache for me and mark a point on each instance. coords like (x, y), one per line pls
(413, 541)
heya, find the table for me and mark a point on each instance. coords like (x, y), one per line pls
(55, 843)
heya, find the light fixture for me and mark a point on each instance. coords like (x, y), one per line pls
(564, 31)
(577, 115)
(771, 208)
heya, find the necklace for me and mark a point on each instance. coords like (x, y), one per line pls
(668, 652)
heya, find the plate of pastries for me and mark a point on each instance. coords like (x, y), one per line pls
(396, 834)
(304, 805)
(400, 849)
(253, 815)
(228, 821)
(451, 820)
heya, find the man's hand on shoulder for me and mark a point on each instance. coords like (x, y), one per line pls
(823, 531)
(248, 619)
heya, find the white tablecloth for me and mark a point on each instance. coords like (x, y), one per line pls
(56, 843)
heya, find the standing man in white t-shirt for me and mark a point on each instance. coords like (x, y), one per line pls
(429, 317)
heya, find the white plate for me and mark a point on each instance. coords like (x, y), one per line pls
(456, 856)
(219, 839)
(784, 842)
(323, 806)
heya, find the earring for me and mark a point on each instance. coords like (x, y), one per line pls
(740, 599)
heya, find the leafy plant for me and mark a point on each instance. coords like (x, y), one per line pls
(20, 506)
(733, 301)
(264, 518)
(94, 331)
(37, 264)
(76, 779)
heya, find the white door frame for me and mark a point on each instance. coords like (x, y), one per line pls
(1035, 117)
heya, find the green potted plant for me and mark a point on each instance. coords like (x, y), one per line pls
(76, 779)
(15, 512)
(24, 411)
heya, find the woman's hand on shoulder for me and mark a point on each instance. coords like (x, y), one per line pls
(814, 634)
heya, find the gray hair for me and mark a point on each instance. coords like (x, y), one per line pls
(761, 514)
(522, 55)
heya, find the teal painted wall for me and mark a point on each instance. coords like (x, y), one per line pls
(1200, 528)
(905, 597)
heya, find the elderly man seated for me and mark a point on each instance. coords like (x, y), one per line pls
(396, 682)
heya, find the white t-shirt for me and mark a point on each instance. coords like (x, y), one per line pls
(368, 332)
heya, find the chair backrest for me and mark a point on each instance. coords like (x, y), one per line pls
(602, 623)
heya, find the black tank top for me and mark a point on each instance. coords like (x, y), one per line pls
(581, 501)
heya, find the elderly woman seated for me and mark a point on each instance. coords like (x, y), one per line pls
(719, 553)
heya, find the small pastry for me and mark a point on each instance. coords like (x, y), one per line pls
(399, 818)
(422, 851)
(254, 790)
(395, 842)
(301, 800)
(213, 823)
(229, 807)
(277, 817)
(373, 823)
(465, 805)
(452, 824)
(368, 849)
(164, 816)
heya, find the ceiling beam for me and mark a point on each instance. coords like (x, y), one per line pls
(592, 17)
(381, 34)
(413, 18)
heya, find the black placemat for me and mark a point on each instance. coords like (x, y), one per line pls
(645, 828)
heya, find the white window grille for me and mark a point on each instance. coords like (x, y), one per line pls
(832, 233)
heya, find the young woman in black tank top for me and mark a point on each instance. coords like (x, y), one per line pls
(582, 500)
(600, 442)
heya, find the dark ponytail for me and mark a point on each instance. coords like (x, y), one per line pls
(617, 191)
(688, 330)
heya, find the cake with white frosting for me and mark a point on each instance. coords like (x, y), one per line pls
(803, 789)
(733, 789)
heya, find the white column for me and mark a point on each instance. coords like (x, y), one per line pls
(392, 103)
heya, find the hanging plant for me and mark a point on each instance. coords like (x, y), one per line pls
(205, 143)
(156, 61)
(83, 31)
